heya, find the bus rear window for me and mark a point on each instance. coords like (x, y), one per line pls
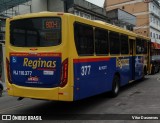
(35, 32)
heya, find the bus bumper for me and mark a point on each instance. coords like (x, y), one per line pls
(36, 93)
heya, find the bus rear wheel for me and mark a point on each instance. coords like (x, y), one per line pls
(115, 86)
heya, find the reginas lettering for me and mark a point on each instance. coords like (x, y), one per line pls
(38, 63)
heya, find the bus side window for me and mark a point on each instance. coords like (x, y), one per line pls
(114, 43)
(124, 44)
(144, 45)
(138, 46)
(83, 35)
(101, 42)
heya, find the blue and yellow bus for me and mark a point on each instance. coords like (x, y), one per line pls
(60, 56)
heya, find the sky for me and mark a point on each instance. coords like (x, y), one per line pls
(97, 2)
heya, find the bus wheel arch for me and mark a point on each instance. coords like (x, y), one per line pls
(115, 85)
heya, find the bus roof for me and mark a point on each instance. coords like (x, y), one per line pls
(95, 22)
(142, 36)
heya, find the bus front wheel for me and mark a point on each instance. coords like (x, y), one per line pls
(115, 86)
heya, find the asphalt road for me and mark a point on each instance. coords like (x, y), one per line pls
(141, 97)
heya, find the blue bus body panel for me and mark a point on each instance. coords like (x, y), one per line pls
(139, 61)
(41, 70)
(98, 75)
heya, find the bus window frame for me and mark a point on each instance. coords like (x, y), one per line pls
(122, 34)
(110, 44)
(75, 40)
(107, 35)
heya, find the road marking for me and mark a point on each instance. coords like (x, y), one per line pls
(11, 108)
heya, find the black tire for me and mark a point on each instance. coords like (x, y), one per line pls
(115, 86)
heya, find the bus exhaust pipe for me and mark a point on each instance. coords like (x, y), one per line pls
(20, 98)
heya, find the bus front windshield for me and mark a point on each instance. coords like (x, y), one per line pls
(35, 32)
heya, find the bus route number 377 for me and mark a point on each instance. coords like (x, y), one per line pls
(85, 70)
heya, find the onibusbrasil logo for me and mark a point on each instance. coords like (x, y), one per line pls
(19, 117)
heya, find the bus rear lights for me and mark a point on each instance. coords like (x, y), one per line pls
(64, 73)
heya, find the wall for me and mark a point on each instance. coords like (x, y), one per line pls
(55, 6)
(47, 5)
(142, 20)
(143, 31)
(39, 5)
(135, 6)
(24, 8)
(114, 2)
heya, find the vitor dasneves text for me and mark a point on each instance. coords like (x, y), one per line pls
(145, 118)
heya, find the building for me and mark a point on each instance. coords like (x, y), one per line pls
(78, 7)
(117, 17)
(81, 8)
(84, 9)
(11, 8)
(147, 13)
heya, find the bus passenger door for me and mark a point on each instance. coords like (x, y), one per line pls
(132, 58)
